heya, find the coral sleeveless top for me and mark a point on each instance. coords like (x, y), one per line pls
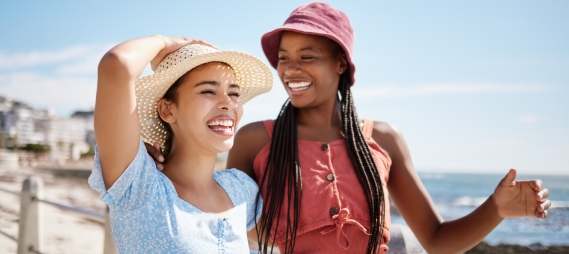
(334, 215)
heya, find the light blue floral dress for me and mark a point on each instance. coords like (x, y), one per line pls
(147, 216)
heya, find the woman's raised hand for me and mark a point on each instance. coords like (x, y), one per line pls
(521, 198)
(172, 44)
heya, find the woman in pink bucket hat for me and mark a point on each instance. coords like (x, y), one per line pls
(324, 175)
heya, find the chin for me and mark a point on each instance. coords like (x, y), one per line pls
(224, 146)
(299, 103)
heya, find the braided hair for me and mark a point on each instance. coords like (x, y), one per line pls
(283, 177)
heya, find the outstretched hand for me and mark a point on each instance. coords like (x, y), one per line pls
(154, 152)
(521, 198)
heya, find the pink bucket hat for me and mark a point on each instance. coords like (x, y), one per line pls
(316, 19)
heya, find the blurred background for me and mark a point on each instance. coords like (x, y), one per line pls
(476, 87)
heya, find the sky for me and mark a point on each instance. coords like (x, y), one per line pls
(474, 86)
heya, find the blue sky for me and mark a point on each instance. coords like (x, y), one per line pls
(474, 86)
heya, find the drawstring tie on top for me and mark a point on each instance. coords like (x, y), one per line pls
(340, 220)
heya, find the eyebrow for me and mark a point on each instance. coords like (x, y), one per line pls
(302, 49)
(214, 83)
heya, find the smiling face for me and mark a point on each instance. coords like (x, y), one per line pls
(309, 67)
(205, 110)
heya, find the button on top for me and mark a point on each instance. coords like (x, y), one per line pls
(330, 177)
(333, 211)
(325, 146)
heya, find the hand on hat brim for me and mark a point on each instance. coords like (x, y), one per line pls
(172, 44)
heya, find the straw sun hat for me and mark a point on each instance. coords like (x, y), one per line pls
(251, 74)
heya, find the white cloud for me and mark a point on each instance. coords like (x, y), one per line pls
(42, 91)
(72, 86)
(87, 63)
(79, 59)
(442, 88)
(28, 59)
(529, 119)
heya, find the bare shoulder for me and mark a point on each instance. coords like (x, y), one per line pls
(254, 134)
(385, 130)
(388, 137)
(249, 141)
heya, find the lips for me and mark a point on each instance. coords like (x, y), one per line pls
(222, 125)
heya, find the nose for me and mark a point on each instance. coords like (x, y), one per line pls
(226, 103)
(292, 68)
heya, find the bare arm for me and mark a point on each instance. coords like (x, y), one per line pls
(249, 141)
(117, 128)
(436, 235)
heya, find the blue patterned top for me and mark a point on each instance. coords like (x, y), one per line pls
(147, 216)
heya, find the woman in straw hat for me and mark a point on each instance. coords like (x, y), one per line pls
(191, 106)
(325, 175)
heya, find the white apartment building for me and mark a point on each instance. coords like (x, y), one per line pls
(66, 137)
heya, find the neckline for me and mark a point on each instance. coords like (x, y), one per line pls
(321, 142)
(189, 205)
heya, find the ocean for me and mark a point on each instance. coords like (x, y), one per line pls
(456, 195)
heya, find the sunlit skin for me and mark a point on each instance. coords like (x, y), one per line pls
(309, 59)
(207, 94)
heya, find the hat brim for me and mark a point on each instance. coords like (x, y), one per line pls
(252, 75)
(271, 42)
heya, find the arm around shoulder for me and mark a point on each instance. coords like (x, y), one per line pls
(249, 141)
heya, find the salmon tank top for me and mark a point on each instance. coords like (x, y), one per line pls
(334, 215)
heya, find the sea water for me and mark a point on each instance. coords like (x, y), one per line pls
(456, 195)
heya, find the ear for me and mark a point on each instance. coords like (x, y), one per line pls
(343, 66)
(166, 110)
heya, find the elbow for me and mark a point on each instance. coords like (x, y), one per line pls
(112, 60)
(117, 64)
(444, 249)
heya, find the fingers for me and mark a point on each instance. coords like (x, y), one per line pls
(542, 195)
(201, 42)
(541, 215)
(544, 206)
(536, 185)
(154, 151)
(160, 158)
(509, 179)
(157, 147)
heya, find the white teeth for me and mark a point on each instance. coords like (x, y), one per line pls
(227, 123)
(295, 85)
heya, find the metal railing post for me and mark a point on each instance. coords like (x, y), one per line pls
(30, 212)
(110, 247)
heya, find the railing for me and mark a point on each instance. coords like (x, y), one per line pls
(29, 232)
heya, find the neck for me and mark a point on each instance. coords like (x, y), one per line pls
(328, 115)
(189, 166)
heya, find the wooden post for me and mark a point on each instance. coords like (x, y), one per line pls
(29, 240)
(110, 247)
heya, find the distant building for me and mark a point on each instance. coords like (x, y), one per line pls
(89, 118)
(67, 138)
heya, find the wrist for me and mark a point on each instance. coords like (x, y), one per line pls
(160, 39)
(494, 206)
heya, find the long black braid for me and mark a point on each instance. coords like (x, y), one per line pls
(283, 174)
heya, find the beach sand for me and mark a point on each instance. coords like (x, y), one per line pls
(62, 231)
